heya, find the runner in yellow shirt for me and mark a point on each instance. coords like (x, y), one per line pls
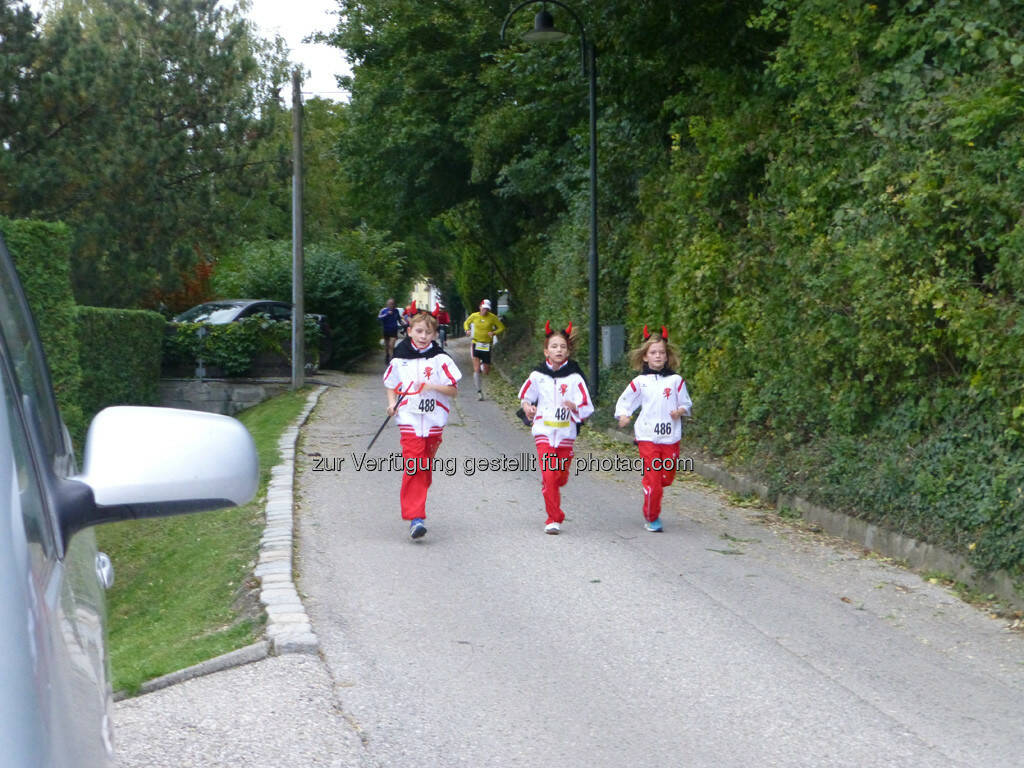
(483, 327)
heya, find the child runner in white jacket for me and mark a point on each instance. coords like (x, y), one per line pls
(661, 395)
(421, 382)
(555, 398)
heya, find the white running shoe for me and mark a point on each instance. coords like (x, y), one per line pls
(552, 528)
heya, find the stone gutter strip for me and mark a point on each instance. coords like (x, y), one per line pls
(249, 654)
(288, 627)
(916, 554)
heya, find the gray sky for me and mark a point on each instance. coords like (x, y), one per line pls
(294, 20)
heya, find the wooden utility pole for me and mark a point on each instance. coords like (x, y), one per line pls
(298, 302)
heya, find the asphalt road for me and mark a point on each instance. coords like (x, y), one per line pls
(727, 640)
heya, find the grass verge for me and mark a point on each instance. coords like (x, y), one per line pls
(184, 591)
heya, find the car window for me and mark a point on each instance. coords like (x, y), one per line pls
(280, 312)
(252, 309)
(25, 355)
(27, 491)
(272, 309)
(216, 314)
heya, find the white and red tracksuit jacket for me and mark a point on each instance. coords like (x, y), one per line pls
(656, 394)
(421, 414)
(548, 389)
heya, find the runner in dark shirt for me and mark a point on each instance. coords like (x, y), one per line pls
(390, 321)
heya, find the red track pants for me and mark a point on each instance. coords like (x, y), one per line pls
(417, 455)
(554, 464)
(659, 472)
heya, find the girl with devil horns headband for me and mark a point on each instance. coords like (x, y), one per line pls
(555, 399)
(661, 395)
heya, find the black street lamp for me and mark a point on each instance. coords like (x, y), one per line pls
(543, 32)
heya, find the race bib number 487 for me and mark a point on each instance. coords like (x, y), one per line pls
(559, 419)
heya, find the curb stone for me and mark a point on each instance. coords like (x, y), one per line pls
(288, 628)
(249, 654)
(287, 631)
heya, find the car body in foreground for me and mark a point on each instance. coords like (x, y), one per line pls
(55, 695)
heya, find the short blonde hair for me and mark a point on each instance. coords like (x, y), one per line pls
(424, 317)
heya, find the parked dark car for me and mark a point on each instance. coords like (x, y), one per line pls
(226, 311)
(55, 694)
(230, 310)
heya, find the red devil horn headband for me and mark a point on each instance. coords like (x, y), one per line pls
(549, 332)
(664, 333)
(647, 334)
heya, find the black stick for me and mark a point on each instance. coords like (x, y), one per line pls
(397, 403)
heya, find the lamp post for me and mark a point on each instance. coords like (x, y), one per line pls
(543, 32)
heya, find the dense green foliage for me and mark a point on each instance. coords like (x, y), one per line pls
(119, 351)
(235, 349)
(41, 255)
(337, 281)
(852, 311)
(821, 199)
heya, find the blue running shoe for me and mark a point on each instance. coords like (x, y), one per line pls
(654, 526)
(417, 528)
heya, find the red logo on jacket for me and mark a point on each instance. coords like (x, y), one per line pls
(563, 388)
(427, 371)
(668, 392)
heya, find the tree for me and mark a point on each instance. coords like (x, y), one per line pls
(141, 129)
(404, 145)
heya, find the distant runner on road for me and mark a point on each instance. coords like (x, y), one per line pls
(390, 321)
(443, 321)
(483, 327)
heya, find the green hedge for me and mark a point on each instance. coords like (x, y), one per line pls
(231, 350)
(41, 253)
(336, 285)
(837, 250)
(119, 351)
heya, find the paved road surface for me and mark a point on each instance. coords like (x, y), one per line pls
(724, 641)
(728, 640)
